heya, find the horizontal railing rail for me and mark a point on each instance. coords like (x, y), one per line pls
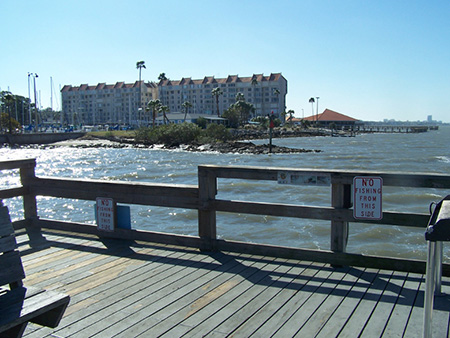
(202, 197)
(167, 195)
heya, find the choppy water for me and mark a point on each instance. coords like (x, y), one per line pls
(424, 152)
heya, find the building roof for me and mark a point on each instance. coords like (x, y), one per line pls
(228, 79)
(329, 115)
(183, 81)
(100, 86)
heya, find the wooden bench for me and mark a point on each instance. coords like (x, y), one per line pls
(18, 304)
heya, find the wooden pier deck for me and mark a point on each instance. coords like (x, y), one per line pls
(140, 289)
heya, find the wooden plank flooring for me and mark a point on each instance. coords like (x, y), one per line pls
(140, 289)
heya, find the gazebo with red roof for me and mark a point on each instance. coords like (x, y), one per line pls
(330, 116)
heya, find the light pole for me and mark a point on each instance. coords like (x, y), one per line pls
(29, 99)
(34, 75)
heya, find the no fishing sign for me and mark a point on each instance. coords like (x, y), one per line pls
(105, 214)
(367, 194)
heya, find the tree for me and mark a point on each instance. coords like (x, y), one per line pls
(154, 106)
(140, 65)
(240, 97)
(239, 112)
(8, 101)
(276, 92)
(186, 105)
(311, 100)
(305, 124)
(291, 113)
(164, 109)
(8, 122)
(216, 92)
(232, 115)
(254, 83)
(162, 77)
(201, 122)
(245, 109)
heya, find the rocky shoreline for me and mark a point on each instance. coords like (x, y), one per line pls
(238, 147)
(240, 144)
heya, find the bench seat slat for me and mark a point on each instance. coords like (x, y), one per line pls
(7, 243)
(12, 270)
(31, 304)
(6, 227)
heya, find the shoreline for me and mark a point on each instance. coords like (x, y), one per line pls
(240, 144)
(227, 147)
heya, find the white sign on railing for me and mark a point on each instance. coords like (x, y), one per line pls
(105, 213)
(287, 177)
(367, 197)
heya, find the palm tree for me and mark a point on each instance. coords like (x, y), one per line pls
(154, 106)
(140, 65)
(217, 92)
(162, 77)
(291, 113)
(164, 109)
(254, 84)
(186, 105)
(240, 97)
(276, 91)
(311, 100)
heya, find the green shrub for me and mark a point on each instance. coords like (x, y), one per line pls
(201, 122)
(217, 132)
(169, 134)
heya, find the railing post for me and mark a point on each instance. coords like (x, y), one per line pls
(27, 175)
(207, 186)
(340, 199)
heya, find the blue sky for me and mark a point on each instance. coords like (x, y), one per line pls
(372, 60)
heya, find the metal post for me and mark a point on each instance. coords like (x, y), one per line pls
(438, 258)
(29, 98)
(429, 290)
(35, 103)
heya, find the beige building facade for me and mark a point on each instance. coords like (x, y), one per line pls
(123, 103)
(107, 104)
(266, 93)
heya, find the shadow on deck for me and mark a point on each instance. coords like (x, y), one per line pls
(133, 288)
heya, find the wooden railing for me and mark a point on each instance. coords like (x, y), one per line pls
(203, 198)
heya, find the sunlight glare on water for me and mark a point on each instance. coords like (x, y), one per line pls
(413, 153)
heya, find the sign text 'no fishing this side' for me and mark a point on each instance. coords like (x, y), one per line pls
(367, 197)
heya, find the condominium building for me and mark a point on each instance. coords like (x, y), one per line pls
(102, 103)
(125, 103)
(266, 93)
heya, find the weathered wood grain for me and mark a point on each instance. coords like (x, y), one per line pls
(146, 289)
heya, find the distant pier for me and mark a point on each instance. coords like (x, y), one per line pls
(393, 128)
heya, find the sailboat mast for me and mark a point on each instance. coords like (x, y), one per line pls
(51, 94)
